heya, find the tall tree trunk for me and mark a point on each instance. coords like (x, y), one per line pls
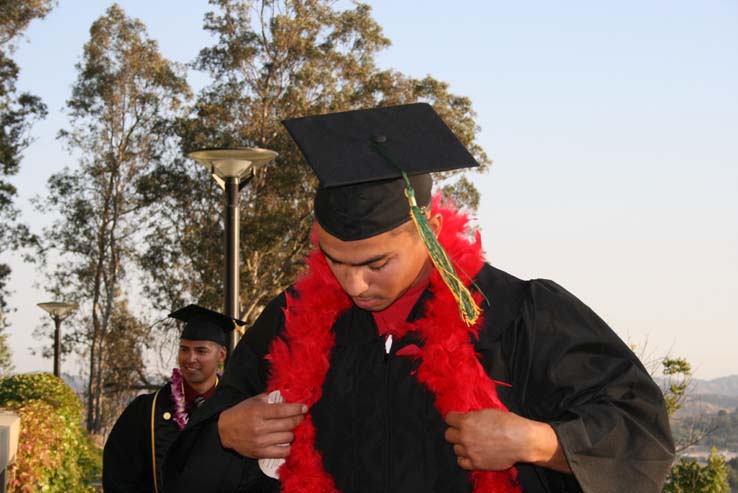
(92, 384)
(99, 320)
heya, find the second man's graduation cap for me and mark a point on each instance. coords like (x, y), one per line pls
(202, 324)
(374, 170)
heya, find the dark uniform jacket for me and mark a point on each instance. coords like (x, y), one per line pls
(128, 456)
(377, 427)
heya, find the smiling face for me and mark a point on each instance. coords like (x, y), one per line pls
(199, 361)
(376, 271)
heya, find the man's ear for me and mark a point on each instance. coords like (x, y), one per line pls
(435, 221)
(221, 354)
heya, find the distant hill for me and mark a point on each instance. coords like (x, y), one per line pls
(707, 404)
(727, 386)
(719, 430)
(710, 411)
(709, 397)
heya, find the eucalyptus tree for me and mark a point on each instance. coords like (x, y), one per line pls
(18, 111)
(124, 94)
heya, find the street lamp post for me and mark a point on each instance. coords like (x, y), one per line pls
(58, 311)
(232, 169)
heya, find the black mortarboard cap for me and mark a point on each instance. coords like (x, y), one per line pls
(361, 192)
(202, 324)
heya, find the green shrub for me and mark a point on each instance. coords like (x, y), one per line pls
(41, 437)
(44, 387)
(54, 452)
(687, 476)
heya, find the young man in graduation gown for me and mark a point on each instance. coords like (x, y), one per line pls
(409, 366)
(134, 451)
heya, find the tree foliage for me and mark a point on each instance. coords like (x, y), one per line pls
(18, 112)
(678, 374)
(687, 476)
(15, 15)
(732, 465)
(124, 92)
(272, 59)
(463, 192)
(125, 368)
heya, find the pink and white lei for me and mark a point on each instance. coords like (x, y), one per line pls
(178, 396)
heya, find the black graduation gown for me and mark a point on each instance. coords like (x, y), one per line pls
(127, 457)
(377, 427)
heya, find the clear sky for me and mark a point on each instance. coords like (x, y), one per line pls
(613, 127)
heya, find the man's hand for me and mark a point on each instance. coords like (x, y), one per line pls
(494, 440)
(254, 428)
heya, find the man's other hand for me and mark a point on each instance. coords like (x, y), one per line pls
(494, 440)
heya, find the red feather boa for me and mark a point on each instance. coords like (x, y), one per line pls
(448, 363)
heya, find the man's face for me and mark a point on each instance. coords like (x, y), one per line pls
(378, 270)
(199, 360)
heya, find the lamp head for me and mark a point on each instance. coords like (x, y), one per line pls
(233, 163)
(57, 308)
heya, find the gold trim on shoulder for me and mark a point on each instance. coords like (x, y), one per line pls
(153, 440)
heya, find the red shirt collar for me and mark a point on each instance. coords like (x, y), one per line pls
(392, 317)
(191, 394)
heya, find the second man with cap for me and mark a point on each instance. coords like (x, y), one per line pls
(135, 449)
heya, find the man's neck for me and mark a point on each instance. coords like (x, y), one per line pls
(393, 317)
(201, 388)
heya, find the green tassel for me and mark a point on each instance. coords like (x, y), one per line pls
(468, 308)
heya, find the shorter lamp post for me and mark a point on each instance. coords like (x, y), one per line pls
(58, 311)
(232, 169)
